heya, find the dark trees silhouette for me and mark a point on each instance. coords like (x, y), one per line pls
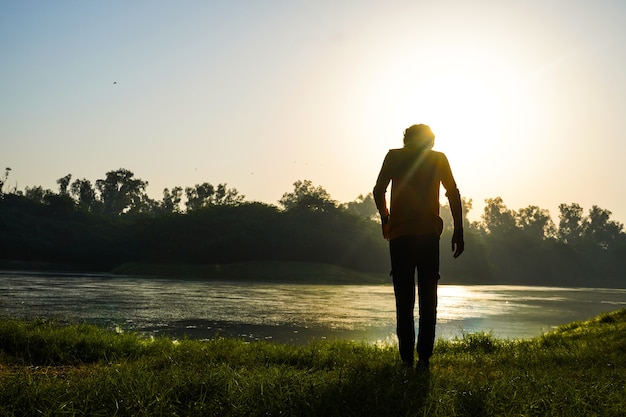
(64, 183)
(571, 226)
(306, 196)
(205, 195)
(84, 194)
(171, 200)
(115, 222)
(525, 246)
(3, 179)
(364, 206)
(120, 191)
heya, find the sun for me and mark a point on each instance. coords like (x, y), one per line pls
(467, 96)
(464, 112)
(478, 106)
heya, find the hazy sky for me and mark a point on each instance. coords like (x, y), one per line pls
(526, 97)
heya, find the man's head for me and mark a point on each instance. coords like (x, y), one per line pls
(419, 136)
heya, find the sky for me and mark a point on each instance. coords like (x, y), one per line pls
(527, 98)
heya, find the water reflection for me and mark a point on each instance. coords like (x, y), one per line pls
(292, 313)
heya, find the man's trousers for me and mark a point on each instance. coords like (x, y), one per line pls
(408, 255)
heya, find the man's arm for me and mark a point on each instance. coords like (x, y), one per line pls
(454, 199)
(380, 189)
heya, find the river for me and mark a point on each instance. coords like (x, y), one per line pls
(286, 312)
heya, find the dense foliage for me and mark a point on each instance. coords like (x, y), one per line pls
(115, 222)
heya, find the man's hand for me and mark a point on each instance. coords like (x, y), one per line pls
(458, 245)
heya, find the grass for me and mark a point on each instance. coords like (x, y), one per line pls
(52, 369)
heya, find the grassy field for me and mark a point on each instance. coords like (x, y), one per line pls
(49, 369)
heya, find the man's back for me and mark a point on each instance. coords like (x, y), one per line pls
(415, 174)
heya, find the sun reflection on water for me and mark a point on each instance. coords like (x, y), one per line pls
(460, 302)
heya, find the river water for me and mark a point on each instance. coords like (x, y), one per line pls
(287, 312)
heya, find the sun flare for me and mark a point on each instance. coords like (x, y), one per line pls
(468, 98)
(476, 112)
(465, 114)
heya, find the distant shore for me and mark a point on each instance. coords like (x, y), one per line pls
(287, 272)
(274, 272)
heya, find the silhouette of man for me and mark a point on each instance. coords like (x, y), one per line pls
(413, 227)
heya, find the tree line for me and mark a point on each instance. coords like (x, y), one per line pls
(113, 220)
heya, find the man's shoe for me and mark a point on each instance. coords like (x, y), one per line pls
(408, 362)
(422, 366)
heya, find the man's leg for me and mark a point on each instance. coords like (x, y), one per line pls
(403, 271)
(428, 278)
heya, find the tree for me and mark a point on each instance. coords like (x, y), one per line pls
(64, 182)
(3, 179)
(205, 195)
(308, 197)
(144, 204)
(119, 191)
(37, 193)
(84, 193)
(571, 223)
(364, 206)
(497, 218)
(227, 196)
(199, 196)
(171, 200)
(446, 214)
(536, 222)
(600, 230)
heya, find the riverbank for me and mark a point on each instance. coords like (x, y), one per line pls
(265, 271)
(38, 266)
(286, 272)
(45, 368)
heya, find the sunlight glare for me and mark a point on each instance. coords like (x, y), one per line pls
(469, 98)
(464, 112)
(456, 302)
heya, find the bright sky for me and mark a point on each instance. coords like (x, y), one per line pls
(526, 97)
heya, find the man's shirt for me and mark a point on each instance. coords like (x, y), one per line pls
(415, 175)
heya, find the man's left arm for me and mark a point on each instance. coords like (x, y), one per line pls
(454, 199)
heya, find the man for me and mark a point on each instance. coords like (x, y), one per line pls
(413, 226)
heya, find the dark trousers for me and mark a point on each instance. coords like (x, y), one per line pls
(410, 254)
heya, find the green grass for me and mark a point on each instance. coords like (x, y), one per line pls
(52, 369)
